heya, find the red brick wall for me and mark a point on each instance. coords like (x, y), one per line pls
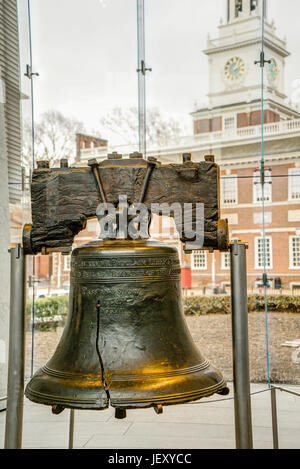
(247, 119)
(85, 141)
(202, 126)
(216, 124)
(244, 119)
(245, 227)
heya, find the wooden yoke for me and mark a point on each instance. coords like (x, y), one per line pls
(64, 198)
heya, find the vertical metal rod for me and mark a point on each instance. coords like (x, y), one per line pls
(240, 346)
(16, 360)
(274, 418)
(32, 315)
(141, 76)
(71, 429)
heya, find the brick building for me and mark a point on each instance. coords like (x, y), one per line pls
(230, 128)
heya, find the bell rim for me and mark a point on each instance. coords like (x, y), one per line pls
(169, 399)
(125, 403)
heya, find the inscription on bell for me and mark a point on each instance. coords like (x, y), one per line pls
(125, 343)
(125, 262)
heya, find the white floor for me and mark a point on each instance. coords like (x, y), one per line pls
(206, 424)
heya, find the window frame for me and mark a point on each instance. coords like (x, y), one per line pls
(238, 8)
(229, 116)
(253, 5)
(223, 256)
(193, 262)
(291, 267)
(267, 184)
(67, 263)
(266, 214)
(256, 240)
(234, 178)
(290, 174)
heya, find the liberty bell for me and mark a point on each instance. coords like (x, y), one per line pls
(126, 343)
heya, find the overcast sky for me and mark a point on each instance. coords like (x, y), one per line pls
(86, 54)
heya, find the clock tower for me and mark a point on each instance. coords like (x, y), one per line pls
(234, 78)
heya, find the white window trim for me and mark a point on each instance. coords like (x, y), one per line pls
(290, 173)
(259, 222)
(192, 259)
(67, 263)
(223, 255)
(291, 267)
(229, 116)
(259, 202)
(233, 218)
(223, 267)
(234, 178)
(256, 253)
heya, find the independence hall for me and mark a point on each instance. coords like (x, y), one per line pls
(230, 128)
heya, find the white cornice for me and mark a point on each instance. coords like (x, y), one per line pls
(236, 45)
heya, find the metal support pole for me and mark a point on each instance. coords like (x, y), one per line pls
(16, 360)
(240, 346)
(71, 429)
(274, 418)
(141, 75)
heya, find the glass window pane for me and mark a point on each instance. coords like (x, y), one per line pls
(199, 260)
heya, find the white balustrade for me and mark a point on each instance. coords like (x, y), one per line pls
(187, 142)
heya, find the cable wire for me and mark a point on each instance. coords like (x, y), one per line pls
(33, 165)
(263, 193)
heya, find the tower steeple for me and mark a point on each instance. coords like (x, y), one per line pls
(244, 9)
(235, 80)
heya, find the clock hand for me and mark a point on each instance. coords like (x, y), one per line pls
(237, 65)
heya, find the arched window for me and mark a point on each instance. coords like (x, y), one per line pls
(253, 5)
(238, 7)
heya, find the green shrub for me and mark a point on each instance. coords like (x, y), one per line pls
(199, 305)
(221, 304)
(49, 313)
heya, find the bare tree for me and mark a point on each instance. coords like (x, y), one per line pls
(54, 138)
(124, 123)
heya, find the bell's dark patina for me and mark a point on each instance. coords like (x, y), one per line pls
(126, 342)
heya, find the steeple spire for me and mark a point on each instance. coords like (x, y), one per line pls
(244, 9)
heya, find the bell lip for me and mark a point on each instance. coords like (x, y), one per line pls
(100, 399)
(98, 403)
(171, 399)
(140, 403)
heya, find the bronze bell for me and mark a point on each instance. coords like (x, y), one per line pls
(126, 342)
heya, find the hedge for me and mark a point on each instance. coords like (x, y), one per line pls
(221, 304)
(49, 313)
